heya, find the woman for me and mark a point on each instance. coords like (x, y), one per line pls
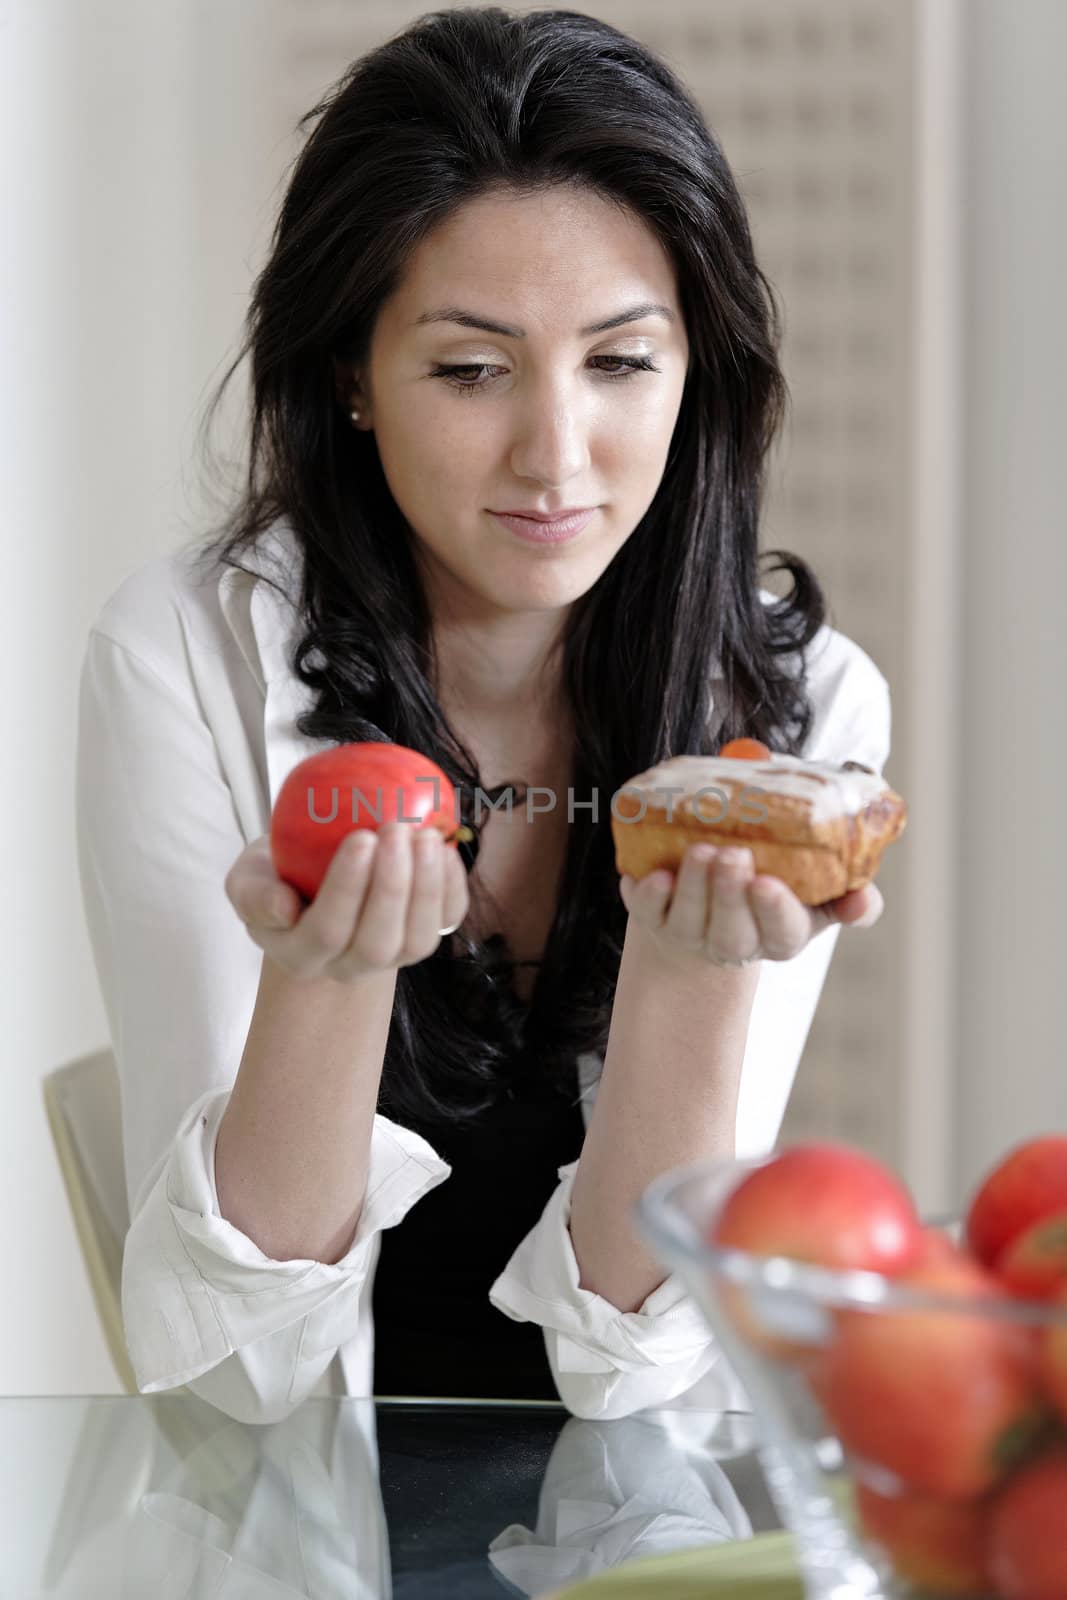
(512, 274)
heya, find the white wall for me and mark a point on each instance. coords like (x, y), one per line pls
(134, 199)
(1012, 1067)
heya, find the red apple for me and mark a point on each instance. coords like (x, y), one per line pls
(1027, 1533)
(946, 1400)
(353, 786)
(781, 1324)
(1034, 1265)
(937, 1544)
(1052, 1358)
(1029, 1184)
(937, 1246)
(825, 1203)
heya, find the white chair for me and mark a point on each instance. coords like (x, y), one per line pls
(82, 1103)
(84, 1112)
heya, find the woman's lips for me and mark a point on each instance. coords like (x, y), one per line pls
(535, 532)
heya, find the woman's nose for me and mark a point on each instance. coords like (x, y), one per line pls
(551, 443)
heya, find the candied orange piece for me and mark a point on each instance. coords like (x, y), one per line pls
(745, 750)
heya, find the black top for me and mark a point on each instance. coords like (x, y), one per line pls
(435, 1332)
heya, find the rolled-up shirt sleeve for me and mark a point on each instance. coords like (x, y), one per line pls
(157, 833)
(609, 1363)
(205, 1307)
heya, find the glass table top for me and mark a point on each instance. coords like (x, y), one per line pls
(162, 1496)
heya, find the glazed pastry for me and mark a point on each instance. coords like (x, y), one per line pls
(821, 828)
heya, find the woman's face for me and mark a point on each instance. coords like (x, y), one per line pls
(548, 416)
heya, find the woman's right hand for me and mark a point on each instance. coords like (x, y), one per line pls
(385, 901)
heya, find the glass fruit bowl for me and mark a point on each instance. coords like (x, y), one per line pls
(914, 1442)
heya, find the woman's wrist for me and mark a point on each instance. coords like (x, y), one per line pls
(668, 1095)
(657, 959)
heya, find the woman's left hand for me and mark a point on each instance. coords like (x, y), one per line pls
(725, 915)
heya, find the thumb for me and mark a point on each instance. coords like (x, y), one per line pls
(278, 911)
(874, 909)
(870, 898)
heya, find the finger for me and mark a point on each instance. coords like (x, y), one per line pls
(328, 923)
(282, 903)
(865, 907)
(650, 899)
(379, 935)
(283, 907)
(843, 908)
(688, 914)
(628, 892)
(823, 917)
(856, 908)
(250, 864)
(784, 922)
(254, 889)
(457, 895)
(732, 932)
(423, 930)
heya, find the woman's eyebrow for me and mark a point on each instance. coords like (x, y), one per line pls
(468, 319)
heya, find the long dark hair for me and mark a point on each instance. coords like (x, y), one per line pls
(460, 102)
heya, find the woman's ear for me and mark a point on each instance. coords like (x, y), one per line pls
(350, 397)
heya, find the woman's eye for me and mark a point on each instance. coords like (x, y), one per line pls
(632, 365)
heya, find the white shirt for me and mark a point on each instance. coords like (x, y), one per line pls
(186, 731)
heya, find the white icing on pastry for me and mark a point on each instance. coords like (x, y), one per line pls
(831, 790)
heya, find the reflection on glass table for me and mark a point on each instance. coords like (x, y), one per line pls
(122, 1498)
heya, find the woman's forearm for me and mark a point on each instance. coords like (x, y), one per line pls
(667, 1095)
(293, 1146)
